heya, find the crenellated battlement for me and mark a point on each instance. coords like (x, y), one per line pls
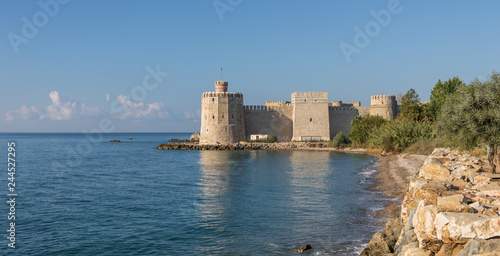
(222, 94)
(382, 99)
(267, 108)
(310, 94)
(278, 103)
(334, 108)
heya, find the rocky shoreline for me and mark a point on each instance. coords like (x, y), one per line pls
(450, 207)
(244, 146)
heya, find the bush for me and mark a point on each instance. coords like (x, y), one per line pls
(341, 140)
(399, 135)
(363, 126)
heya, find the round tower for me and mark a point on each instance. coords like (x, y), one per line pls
(222, 119)
(221, 86)
(384, 105)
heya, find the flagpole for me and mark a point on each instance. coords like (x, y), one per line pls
(221, 73)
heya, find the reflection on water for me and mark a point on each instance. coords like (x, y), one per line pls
(273, 202)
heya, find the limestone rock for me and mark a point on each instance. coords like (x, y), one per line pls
(423, 223)
(481, 178)
(378, 245)
(433, 169)
(417, 252)
(454, 203)
(459, 227)
(195, 136)
(481, 247)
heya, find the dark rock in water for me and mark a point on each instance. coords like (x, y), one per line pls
(178, 140)
(304, 248)
(114, 141)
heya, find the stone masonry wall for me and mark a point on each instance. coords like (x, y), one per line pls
(269, 120)
(310, 115)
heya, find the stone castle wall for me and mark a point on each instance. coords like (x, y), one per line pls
(272, 120)
(341, 118)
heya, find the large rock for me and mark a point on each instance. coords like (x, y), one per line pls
(195, 136)
(433, 169)
(452, 227)
(417, 252)
(454, 203)
(377, 246)
(481, 247)
(423, 223)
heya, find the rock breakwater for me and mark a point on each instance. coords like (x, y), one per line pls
(450, 208)
(243, 146)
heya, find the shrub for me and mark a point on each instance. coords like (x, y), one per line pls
(341, 140)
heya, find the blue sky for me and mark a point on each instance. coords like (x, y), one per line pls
(88, 60)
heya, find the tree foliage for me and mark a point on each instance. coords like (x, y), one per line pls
(471, 116)
(362, 126)
(410, 106)
(341, 140)
(440, 93)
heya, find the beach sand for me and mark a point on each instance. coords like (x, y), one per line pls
(394, 174)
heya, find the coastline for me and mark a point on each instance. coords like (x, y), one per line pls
(393, 175)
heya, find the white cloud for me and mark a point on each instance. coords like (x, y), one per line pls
(107, 97)
(140, 110)
(60, 109)
(25, 113)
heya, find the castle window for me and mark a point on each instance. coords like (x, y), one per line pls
(232, 116)
(305, 100)
(213, 116)
(310, 119)
(213, 99)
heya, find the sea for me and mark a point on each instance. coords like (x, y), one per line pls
(77, 194)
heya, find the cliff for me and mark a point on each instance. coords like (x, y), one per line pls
(450, 208)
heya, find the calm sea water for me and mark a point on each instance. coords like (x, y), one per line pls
(83, 196)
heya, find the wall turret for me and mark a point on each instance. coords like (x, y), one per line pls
(221, 86)
(222, 116)
(384, 105)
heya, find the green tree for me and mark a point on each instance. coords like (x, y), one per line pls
(410, 106)
(471, 117)
(439, 94)
(362, 126)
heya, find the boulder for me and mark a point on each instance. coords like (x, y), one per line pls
(195, 136)
(417, 252)
(304, 248)
(481, 247)
(452, 227)
(454, 203)
(378, 246)
(433, 169)
(423, 223)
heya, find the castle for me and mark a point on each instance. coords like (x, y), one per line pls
(307, 117)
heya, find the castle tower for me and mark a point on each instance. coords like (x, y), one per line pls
(222, 116)
(384, 105)
(310, 116)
